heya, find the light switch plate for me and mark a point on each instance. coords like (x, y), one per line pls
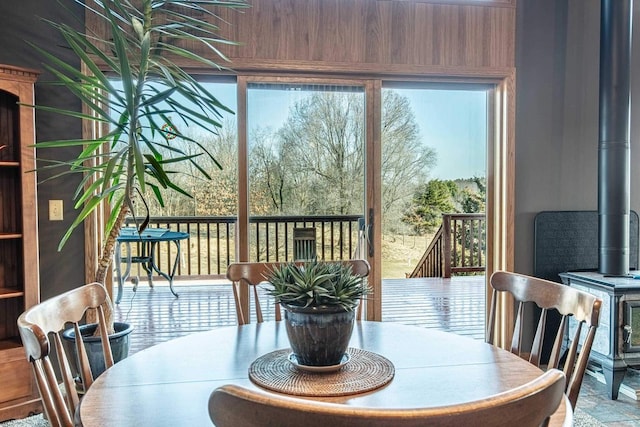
(55, 210)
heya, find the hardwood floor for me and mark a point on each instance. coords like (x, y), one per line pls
(455, 305)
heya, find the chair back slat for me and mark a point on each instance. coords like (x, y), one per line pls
(40, 328)
(71, 394)
(83, 360)
(575, 381)
(554, 358)
(582, 307)
(106, 346)
(529, 405)
(538, 340)
(516, 342)
(249, 275)
(45, 379)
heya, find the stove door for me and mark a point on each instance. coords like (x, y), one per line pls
(631, 326)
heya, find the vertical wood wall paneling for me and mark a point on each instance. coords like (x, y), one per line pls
(378, 17)
(402, 30)
(372, 36)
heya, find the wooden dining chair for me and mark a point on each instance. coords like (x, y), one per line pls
(42, 325)
(581, 307)
(252, 274)
(529, 405)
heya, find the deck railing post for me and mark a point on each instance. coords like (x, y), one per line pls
(446, 246)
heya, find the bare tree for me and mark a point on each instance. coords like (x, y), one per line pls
(314, 164)
(406, 160)
(323, 139)
(269, 171)
(217, 196)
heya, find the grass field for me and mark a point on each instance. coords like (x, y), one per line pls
(401, 253)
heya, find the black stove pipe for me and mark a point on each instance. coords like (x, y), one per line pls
(613, 148)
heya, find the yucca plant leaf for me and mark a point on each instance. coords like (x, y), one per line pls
(89, 206)
(157, 193)
(134, 86)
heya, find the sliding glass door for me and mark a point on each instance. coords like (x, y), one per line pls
(305, 169)
(433, 198)
(434, 162)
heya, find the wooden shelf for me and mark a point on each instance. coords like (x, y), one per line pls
(9, 236)
(19, 279)
(9, 343)
(10, 293)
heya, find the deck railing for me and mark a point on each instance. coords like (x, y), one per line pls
(458, 247)
(211, 243)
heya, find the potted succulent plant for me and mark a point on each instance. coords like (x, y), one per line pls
(319, 301)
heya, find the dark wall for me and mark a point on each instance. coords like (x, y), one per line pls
(21, 21)
(557, 113)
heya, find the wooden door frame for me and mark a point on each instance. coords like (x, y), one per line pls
(500, 184)
(500, 173)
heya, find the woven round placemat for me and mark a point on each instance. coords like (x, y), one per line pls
(364, 372)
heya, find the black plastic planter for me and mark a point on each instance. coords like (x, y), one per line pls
(119, 346)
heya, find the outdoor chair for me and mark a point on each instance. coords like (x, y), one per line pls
(304, 244)
(248, 275)
(581, 307)
(48, 319)
(529, 405)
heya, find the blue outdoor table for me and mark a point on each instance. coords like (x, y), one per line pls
(148, 240)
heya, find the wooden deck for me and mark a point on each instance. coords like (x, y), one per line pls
(453, 305)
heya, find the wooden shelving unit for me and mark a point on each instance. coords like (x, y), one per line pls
(10, 293)
(19, 281)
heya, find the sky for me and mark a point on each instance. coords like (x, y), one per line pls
(453, 122)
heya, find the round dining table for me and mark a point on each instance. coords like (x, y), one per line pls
(170, 384)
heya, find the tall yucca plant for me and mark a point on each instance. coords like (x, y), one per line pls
(145, 112)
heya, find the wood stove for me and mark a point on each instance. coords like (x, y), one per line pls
(566, 249)
(617, 342)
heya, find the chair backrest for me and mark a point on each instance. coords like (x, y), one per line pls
(304, 244)
(49, 319)
(252, 274)
(582, 307)
(529, 405)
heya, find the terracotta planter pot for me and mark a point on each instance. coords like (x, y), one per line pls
(319, 336)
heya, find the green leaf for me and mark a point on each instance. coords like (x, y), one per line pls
(153, 90)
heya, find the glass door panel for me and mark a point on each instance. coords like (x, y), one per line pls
(305, 164)
(209, 213)
(434, 163)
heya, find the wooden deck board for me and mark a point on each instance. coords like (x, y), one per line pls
(454, 305)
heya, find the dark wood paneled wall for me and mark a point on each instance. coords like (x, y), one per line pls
(374, 32)
(371, 36)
